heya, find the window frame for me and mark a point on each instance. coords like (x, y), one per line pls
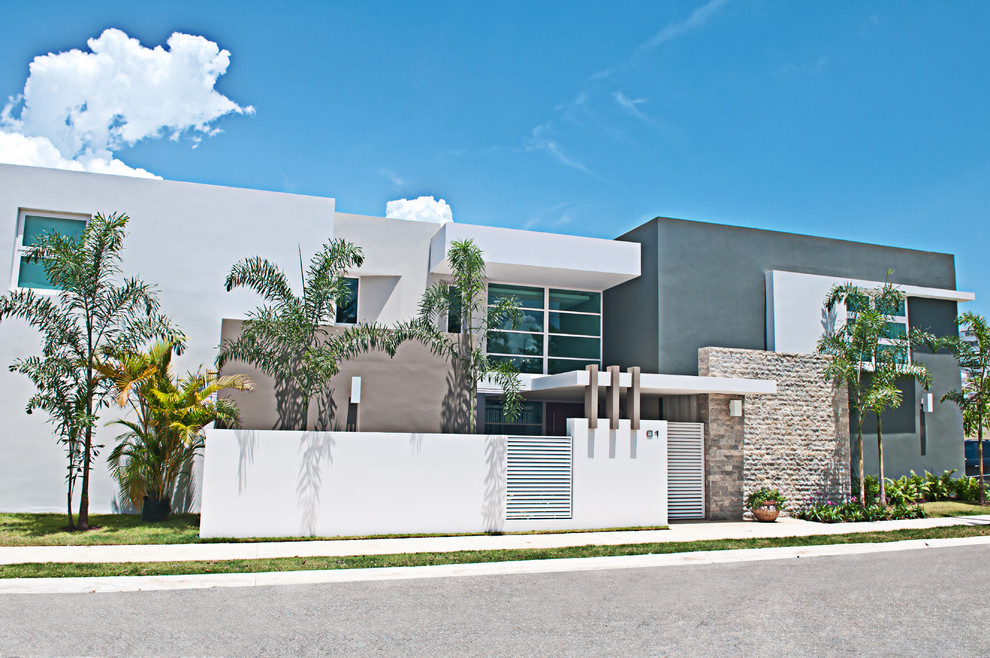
(21, 249)
(547, 333)
(357, 304)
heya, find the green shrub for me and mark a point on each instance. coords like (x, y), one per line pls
(848, 511)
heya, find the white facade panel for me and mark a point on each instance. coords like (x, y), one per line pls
(182, 237)
(796, 317)
(548, 259)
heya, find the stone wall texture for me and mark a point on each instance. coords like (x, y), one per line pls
(724, 458)
(796, 441)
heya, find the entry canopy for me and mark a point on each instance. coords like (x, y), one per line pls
(650, 384)
(541, 259)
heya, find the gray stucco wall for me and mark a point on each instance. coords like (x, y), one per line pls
(413, 392)
(630, 311)
(710, 291)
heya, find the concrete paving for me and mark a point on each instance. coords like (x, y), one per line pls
(678, 532)
(903, 603)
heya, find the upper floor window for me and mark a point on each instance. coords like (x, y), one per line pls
(347, 310)
(31, 225)
(560, 330)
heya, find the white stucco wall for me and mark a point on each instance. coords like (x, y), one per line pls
(183, 237)
(270, 484)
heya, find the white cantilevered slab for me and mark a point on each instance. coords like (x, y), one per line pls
(541, 259)
(653, 384)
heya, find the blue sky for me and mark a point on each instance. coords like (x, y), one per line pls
(857, 120)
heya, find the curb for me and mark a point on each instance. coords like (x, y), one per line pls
(207, 581)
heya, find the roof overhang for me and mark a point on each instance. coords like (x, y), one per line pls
(650, 384)
(541, 259)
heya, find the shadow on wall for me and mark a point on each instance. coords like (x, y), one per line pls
(326, 413)
(493, 505)
(315, 457)
(455, 408)
(289, 406)
(247, 441)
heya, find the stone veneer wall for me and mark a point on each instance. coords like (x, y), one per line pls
(796, 441)
(724, 458)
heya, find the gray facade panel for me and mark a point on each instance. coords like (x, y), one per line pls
(710, 291)
(630, 310)
(712, 286)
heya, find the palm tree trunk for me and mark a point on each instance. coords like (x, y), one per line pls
(979, 456)
(883, 487)
(862, 467)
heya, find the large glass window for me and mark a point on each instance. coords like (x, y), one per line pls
(347, 311)
(31, 274)
(528, 423)
(560, 330)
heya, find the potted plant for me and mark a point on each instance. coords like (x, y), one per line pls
(167, 433)
(765, 503)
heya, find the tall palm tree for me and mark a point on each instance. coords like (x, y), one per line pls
(973, 398)
(466, 296)
(96, 309)
(867, 358)
(169, 417)
(289, 337)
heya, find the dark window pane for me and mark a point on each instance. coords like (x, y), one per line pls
(568, 323)
(453, 310)
(35, 227)
(347, 308)
(579, 348)
(555, 366)
(32, 275)
(528, 321)
(575, 300)
(528, 423)
(525, 297)
(528, 366)
(521, 344)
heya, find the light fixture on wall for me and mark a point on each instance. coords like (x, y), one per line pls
(927, 403)
(735, 407)
(355, 390)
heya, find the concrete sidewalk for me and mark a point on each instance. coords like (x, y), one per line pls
(678, 532)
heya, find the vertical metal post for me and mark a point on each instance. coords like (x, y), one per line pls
(591, 396)
(612, 396)
(633, 404)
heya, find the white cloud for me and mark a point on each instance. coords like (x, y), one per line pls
(77, 107)
(422, 209)
(675, 29)
(39, 152)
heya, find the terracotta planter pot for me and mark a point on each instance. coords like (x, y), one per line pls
(767, 512)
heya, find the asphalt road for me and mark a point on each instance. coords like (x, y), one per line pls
(918, 602)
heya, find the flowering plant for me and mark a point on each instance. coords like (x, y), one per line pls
(763, 495)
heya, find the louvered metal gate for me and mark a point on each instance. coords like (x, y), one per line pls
(538, 477)
(685, 471)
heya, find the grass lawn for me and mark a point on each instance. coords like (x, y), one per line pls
(116, 529)
(56, 570)
(953, 508)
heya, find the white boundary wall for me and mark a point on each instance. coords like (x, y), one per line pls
(272, 483)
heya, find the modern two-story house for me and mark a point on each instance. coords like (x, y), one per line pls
(674, 320)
